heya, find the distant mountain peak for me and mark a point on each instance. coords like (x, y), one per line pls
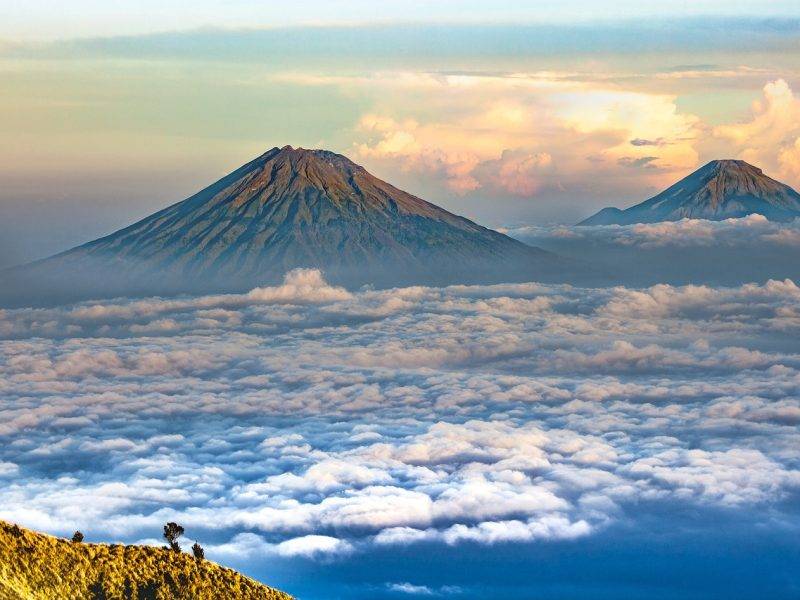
(291, 208)
(720, 189)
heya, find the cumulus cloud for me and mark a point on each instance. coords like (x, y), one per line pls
(312, 546)
(308, 546)
(410, 588)
(422, 590)
(490, 532)
(519, 173)
(771, 136)
(299, 286)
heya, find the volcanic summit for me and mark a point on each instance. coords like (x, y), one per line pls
(286, 209)
(722, 189)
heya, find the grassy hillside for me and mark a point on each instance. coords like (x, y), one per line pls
(40, 567)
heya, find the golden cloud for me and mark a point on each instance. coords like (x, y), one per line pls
(516, 134)
(771, 137)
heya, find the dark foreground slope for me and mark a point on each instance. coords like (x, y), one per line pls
(40, 567)
(722, 189)
(286, 209)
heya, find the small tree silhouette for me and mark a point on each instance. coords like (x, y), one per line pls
(77, 537)
(198, 551)
(172, 531)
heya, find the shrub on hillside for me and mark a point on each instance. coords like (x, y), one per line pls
(198, 551)
(172, 531)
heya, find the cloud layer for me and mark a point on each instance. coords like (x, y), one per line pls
(729, 252)
(307, 422)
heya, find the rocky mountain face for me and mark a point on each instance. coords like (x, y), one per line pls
(722, 189)
(286, 209)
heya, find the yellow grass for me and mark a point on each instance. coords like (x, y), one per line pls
(34, 566)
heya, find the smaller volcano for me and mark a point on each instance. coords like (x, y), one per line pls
(722, 189)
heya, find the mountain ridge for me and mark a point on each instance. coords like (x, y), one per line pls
(35, 566)
(720, 189)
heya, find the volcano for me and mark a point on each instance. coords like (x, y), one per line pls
(722, 189)
(290, 208)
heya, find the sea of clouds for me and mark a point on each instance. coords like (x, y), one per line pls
(311, 422)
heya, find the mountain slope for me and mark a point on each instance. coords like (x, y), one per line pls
(40, 567)
(722, 189)
(294, 208)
